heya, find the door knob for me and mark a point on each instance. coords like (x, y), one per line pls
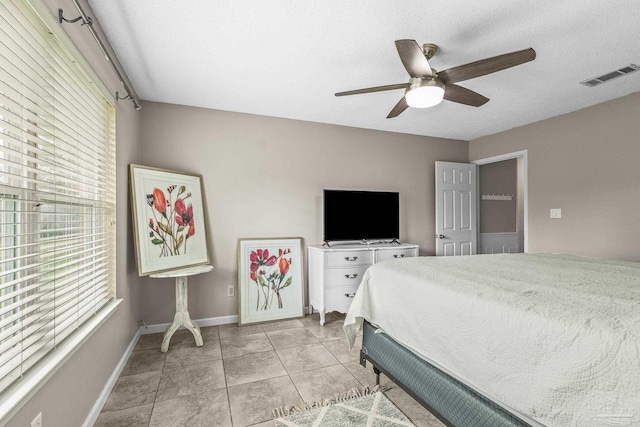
(439, 236)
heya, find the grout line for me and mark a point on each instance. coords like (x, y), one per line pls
(155, 397)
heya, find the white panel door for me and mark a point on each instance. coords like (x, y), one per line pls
(456, 205)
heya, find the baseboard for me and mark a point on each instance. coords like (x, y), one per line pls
(210, 321)
(102, 399)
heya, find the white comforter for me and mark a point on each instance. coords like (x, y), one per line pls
(555, 337)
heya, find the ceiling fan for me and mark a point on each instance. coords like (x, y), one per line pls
(428, 87)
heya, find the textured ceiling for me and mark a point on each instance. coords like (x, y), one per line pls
(287, 58)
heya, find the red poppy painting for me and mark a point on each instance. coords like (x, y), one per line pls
(168, 219)
(270, 279)
(172, 223)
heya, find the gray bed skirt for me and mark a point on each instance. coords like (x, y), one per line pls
(450, 400)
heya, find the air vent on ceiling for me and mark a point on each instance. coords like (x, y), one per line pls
(631, 68)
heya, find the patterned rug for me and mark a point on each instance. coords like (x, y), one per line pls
(354, 408)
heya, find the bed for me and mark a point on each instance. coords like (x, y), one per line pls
(507, 340)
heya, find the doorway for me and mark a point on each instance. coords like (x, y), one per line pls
(502, 203)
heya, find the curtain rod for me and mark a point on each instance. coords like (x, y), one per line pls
(115, 64)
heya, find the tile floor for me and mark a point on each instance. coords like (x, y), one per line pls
(240, 374)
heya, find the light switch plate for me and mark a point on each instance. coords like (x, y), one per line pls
(555, 213)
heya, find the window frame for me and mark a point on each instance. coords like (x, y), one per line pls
(16, 395)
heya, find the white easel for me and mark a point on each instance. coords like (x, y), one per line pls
(182, 317)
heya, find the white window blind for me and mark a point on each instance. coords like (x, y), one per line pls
(57, 192)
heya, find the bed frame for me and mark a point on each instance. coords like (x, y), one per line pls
(454, 403)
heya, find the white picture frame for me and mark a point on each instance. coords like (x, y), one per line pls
(270, 279)
(168, 219)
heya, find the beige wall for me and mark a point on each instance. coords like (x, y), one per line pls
(264, 176)
(585, 163)
(498, 216)
(67, 398)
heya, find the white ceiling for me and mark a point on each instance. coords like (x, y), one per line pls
(287, 58)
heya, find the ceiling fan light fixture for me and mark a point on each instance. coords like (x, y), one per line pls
(425, 93)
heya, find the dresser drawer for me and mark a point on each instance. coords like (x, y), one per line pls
(349, 258)
(345, 276)
(384, 255)
(340, 297)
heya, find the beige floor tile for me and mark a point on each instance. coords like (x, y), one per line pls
(253, 367)
(264, 424)
(253, 403)
(328, 332)
(245, 344)
(338, 315)
(233, 330)
(291, 338)
(324, 383)
(208, 409)
(309, 319)
(412, 409)
(210, 332)
(282, 325)
(191, 379)
(133, 390)
(340, 349)
(149, 341)
(138, 416)
(144, 361)
(183, 337)
(306, 358)
(366, 376)
(314, 319)
(179, 356)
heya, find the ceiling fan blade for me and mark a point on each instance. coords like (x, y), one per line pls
(486, 66)
(374, 89)
(462, 95)
(413, 58)
(398, 109)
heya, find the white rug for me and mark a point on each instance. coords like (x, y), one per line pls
(355, 408)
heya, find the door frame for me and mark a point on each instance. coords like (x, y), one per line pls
(508, 156)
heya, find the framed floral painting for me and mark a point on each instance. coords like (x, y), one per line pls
(168, 219)
(270, 285)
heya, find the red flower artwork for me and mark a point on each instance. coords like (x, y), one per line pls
(172, 223)
(184, 216)
(270, 276)
(159, 202)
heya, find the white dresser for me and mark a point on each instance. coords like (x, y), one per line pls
(335, 272)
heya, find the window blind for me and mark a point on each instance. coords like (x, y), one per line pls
(57, 192)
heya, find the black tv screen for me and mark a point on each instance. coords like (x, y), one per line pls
(361, 215)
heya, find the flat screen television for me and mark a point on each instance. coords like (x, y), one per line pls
(361, 215)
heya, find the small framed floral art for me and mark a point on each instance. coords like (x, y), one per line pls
(168, 219)
(270, 285)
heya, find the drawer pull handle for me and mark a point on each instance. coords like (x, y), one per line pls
(351, 276)
(398, 256)
(350, 295)
(350, 258)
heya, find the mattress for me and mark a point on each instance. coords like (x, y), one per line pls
(555, 338)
